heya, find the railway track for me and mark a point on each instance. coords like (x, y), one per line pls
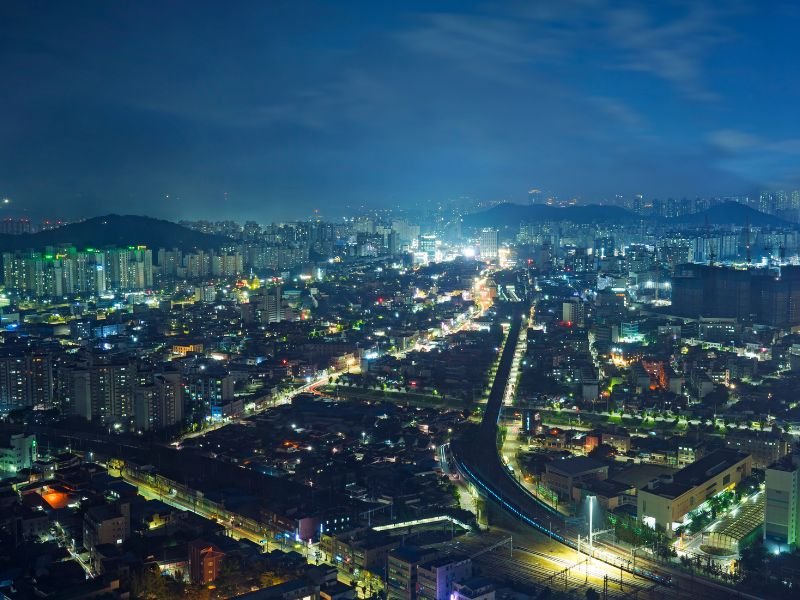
(556, 572)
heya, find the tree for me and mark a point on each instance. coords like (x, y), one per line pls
(198, 592)
(230, 576)
(150, 584)
(603, 452)
(387, 429)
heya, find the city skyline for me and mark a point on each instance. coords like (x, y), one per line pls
(267, 111)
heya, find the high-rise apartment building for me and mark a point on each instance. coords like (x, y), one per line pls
(226, 264)
(724, 292)
(13, 383)
(111, 388)
(129, 269)
(26, 379)
(573, 313)
(72, 272)
(158, 400)
(269, 304)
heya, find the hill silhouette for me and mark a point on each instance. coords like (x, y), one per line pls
(729, 213)
(511, 215)
(117, 231)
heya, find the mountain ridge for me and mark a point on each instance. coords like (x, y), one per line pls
(116, 231)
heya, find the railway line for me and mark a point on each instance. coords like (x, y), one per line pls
(528, 566)
(476, 458)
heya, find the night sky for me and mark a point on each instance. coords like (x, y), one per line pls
(295, 105)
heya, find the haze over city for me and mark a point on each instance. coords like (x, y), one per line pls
(268, 110)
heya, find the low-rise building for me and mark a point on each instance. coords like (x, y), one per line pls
(401, 581)
(205, 562)
(17, 452)
(765, 447)
(620, 440)
(107, 524)
(610, 494)
(666, 501)
(561, 476)
(436, 578)
(362, 549)
(475, 588)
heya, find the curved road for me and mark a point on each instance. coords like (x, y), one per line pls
(476, 455)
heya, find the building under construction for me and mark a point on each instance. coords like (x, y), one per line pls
(768, 296)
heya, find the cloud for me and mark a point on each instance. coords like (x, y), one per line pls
(494, 47)
(733, 140)
(768, 162)
(620, 112)
(670, 41)
(672, 49)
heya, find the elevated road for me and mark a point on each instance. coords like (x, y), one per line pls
(476, 455)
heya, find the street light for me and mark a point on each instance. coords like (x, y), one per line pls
(591, 511)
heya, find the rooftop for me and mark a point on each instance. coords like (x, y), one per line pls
(444, 560)
(574, 466)
(699, 472)
(741, 522)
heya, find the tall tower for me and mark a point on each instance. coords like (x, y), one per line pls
(273, 305)
(489, 242)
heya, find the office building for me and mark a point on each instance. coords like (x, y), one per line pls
(427, 245)
(490, 242)
(782, 486)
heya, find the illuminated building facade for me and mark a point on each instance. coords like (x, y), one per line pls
(490, 239)
(782, 511)
(665, 502)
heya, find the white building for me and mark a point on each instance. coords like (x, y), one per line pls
(783, 504)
